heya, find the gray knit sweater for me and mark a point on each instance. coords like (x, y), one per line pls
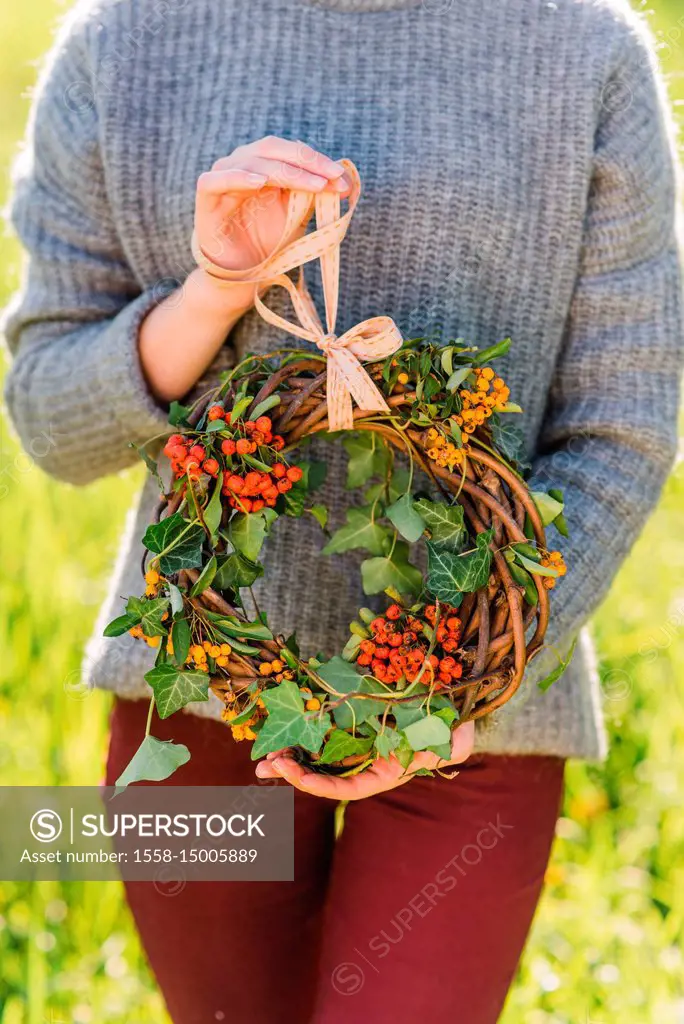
(518, 178)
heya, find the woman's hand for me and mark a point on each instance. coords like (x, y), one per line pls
(241, 204)
(382, 776)
(240, 213)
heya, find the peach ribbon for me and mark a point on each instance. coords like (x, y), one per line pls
(368, 341)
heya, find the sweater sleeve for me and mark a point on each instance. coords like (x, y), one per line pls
(75, 377)
(609, 435)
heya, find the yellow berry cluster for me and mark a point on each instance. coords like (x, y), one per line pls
(275, 668)
(152, 581)
(554, 560)
(444, 453)
(198, 654)
(311, 703)
(243, 731)
(490, 395)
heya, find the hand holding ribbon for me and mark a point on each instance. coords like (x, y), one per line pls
(369, 341)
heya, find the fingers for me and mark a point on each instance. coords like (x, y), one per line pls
(287, 164)
(233, 179)
(298, 154)
(462, 742)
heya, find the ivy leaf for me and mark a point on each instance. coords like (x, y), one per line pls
(236, 571)
(121, 625)
(360, 532)
(377, 574)
(287, 724)
(177, 542)
(386, 742)
(445, 523)
(510, 441)
(404, 516)
(451, 575)
(284, 697)
(368, 457)
(344, 678)
(247, 532)
(153, 761)
(175, 687)
(149, 614)
(341, 745)
(398, 485)
(205, 578)
(427, 732)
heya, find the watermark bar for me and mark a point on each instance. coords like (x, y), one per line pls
(169, 835)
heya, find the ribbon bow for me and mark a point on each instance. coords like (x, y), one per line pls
(368, 341)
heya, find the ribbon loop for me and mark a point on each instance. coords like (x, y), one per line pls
(368, 341)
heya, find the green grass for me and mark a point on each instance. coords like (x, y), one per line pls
(607, 941)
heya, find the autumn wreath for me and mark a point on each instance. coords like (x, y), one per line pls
(439, 464)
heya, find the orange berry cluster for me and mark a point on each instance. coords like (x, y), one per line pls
(554, 560)
(399, 646)
(489, 395)
(254, 490)
(248, 490)
(199, 654)
(243, 731)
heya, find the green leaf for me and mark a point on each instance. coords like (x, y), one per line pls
(205, 578)
(153, 761)
(247, 532)
(150, 463)
(181, 639)
(178, 414)
(320, 514)
(177, 542)
(549, 508)
(213, 511)
(232, 626)
(214, 426)
(283, 697)
(121, 625)
(240, 407)
(447, 359)
(398, 485)
(377, 574)
(404, 516)
(410, 712)
(236, 571)
(386, 742)
(368, 457)
(360, 532)
(175, 687)
(450, 575)
(536, 568)
(510, 407)
(510, 441)
(176, 599)
(493, 352)
(428, 732)
(344, 678)
(554, 676)
(263, 407)
(341, 745)
(457, 377)
(149, 613)
(445, 522)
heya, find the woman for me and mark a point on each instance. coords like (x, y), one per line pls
(519, 180)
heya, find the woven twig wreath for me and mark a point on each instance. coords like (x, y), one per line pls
(442, 467)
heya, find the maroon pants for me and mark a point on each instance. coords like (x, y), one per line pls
(419, 911)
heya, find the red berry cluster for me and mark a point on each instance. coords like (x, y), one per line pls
(247, 489)
(399, 645)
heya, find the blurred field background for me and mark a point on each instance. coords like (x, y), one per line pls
(607, 943)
